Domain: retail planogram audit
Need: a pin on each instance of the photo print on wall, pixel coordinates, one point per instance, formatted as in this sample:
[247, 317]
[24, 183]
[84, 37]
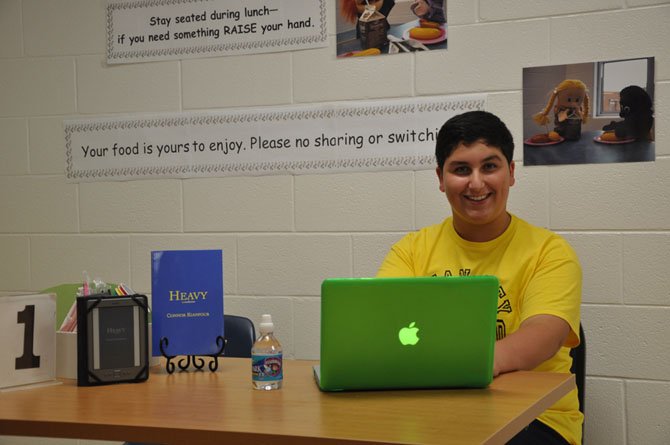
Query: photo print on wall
[589, 113]
[374, 27]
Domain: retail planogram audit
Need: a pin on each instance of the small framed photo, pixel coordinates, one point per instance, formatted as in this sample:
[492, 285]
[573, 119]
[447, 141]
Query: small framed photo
[112, 339]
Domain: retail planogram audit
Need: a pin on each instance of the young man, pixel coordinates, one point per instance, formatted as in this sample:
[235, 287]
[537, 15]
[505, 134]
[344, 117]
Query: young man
[540, 276]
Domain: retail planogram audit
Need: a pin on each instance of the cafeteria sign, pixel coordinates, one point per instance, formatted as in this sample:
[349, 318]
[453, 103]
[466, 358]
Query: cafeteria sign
[319, 138]
[145, 30]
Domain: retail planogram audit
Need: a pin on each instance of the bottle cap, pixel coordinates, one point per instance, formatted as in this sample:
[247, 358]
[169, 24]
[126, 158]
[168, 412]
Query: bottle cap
[266, 324]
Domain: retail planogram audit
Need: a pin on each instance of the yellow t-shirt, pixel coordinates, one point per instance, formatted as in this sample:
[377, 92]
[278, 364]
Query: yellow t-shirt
[538, 271]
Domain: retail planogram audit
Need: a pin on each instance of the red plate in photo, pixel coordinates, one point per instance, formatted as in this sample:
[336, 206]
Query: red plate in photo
[441, 38]
[542, 144]
[618, 141]
[353, 53]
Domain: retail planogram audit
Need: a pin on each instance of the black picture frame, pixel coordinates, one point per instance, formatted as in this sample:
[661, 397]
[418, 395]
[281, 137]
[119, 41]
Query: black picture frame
[112, 339]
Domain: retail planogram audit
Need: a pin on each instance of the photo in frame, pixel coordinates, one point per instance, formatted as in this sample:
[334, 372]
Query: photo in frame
[589, 113]
[112, 339]
[374, 27]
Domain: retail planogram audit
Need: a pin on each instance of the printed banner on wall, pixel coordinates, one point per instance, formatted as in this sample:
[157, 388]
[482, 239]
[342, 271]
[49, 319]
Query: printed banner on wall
[145, 30]
[362, 136]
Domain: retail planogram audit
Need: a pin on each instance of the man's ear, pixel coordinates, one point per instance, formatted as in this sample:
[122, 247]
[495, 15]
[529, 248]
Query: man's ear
[511, 173]
[440, 174]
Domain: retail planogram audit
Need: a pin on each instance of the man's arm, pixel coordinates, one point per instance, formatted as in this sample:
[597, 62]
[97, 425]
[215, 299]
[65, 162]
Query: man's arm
[537, 340]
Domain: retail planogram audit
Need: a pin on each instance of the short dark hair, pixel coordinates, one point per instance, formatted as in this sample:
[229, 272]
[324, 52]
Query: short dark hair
[471, 127]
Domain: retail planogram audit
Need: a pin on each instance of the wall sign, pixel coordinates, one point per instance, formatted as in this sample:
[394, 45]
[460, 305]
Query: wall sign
[27, 339]
[363, 136]
[144, 30]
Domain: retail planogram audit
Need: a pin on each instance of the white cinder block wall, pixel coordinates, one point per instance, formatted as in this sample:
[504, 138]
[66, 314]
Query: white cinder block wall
[283, 234]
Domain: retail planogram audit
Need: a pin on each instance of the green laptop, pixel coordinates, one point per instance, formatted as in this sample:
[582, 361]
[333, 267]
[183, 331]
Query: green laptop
[396, 333]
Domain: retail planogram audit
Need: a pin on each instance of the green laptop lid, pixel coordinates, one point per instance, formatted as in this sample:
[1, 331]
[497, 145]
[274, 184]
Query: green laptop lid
[421, 332]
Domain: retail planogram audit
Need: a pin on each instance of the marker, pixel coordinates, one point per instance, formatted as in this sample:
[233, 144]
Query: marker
[87, 289]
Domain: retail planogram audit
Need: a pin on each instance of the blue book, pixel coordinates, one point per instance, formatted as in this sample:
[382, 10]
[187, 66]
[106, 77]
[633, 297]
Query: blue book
[187, 301]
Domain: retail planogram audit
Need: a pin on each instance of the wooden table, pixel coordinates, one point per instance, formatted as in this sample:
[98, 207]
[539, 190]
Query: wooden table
[204, 407]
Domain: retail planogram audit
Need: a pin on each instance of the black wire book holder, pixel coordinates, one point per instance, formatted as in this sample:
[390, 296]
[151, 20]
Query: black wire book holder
[196, 360]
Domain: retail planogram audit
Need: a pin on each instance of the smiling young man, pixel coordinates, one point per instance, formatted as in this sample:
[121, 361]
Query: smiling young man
[539, 273]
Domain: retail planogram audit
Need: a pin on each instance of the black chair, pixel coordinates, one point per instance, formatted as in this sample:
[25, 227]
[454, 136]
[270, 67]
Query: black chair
[578, 367]
[240, 336]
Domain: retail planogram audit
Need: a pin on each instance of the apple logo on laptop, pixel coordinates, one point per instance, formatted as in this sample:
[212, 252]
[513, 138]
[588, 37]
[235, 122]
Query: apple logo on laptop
[408, 335]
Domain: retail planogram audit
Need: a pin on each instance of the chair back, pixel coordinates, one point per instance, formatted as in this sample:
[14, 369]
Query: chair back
[240, 336]
[578, 367]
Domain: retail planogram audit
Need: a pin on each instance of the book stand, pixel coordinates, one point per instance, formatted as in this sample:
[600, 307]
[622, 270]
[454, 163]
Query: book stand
[197, 360]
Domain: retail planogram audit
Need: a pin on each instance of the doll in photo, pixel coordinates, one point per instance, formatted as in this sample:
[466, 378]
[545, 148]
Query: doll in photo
[638, 116]
[569, 102]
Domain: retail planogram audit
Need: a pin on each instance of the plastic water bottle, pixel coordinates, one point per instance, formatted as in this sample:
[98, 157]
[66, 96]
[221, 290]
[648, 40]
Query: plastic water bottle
[267, 370]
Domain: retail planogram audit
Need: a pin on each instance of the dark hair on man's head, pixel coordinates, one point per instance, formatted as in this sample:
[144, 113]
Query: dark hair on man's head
[470, 127]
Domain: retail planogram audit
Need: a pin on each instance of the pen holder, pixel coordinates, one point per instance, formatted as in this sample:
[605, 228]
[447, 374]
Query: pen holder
[66, 355]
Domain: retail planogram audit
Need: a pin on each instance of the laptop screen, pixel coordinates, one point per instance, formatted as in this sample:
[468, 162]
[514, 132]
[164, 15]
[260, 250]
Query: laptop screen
[415, 332]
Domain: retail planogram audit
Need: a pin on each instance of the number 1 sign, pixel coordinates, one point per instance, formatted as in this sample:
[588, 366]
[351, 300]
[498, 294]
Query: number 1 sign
[27, 339]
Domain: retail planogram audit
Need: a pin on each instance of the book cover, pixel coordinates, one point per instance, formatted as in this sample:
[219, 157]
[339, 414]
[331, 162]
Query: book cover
[187, 301]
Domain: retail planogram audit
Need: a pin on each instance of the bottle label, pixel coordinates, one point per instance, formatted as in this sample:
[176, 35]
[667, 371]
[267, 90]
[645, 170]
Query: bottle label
[267, 368]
